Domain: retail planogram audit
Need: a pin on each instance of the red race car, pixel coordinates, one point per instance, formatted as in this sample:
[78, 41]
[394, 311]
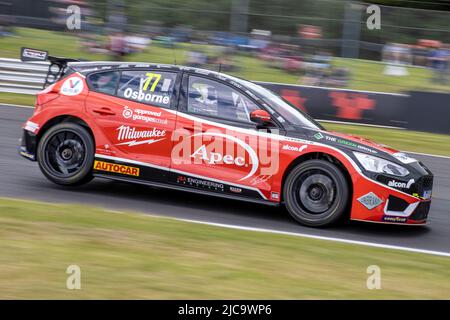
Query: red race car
[206, 132]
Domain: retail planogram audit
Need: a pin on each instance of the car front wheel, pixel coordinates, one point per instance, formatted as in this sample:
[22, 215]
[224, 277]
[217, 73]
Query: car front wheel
[316, 193]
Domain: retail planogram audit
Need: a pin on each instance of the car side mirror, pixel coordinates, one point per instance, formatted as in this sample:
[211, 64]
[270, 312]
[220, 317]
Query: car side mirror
[261, 117]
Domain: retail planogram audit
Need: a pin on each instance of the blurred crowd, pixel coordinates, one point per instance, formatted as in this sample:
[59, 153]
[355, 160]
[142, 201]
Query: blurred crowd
[425, 53]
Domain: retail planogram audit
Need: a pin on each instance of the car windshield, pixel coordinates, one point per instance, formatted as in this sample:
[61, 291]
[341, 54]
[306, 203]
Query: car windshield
[290, 113]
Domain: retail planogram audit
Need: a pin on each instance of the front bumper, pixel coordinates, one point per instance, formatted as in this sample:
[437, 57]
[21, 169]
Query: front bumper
[27, 145]
[374, 201]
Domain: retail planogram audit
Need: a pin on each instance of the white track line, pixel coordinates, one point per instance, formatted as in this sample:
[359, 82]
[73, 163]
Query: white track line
[16, 105]
[428, 155]
[305, 235]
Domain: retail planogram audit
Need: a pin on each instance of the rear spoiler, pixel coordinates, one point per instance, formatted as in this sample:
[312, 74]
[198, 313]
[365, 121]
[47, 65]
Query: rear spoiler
[57, 67]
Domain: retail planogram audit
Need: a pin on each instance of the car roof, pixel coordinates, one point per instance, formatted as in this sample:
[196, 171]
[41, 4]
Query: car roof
[85, 68]
[91, 66]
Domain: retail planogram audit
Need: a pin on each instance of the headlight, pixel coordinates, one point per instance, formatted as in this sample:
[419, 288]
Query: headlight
[375, 164]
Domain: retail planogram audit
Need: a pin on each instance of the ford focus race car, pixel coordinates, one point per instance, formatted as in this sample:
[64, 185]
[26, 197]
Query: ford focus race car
[206, 132]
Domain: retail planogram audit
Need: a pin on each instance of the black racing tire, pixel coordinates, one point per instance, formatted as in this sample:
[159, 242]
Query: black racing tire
[316, 193]
[65, 154]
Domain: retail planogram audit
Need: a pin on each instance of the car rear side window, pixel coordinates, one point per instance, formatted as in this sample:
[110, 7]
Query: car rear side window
[146, 86]
[104, 82]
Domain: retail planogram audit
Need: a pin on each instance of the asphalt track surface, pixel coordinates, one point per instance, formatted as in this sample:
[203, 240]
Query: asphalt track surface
[21, 178]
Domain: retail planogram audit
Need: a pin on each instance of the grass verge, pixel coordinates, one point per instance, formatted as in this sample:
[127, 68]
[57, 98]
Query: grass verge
[124, 255]
[16, 98]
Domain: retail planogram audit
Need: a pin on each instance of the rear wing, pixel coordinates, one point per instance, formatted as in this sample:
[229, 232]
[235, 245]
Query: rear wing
[57, 68]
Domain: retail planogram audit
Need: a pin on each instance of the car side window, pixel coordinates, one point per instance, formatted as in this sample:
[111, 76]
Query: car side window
[147, 86]
[212, 98]
[104, 82]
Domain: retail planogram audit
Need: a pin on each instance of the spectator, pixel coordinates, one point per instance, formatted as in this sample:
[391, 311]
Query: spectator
[117, 45]
[439, 62]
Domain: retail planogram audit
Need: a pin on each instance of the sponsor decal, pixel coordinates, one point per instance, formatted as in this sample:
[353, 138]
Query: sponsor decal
[427, 194]
[235, 190]
[213, 158]
[399, 184]
[127, 112]
[133, 136]
[294, 148]
[31, 126]
[259, 179]
[200, 183]
[106, 150]
[216, 157]
[147, 97]
[275, 195]
[238, 152]
[370, 200]
[394, 219]
[181, 179]
[33, 54]
[364, 148]
[143, 115]
[320, 136]
[116, 168]
[72, 86]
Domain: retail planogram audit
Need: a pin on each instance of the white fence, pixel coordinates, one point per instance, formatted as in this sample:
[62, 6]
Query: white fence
[22, 77]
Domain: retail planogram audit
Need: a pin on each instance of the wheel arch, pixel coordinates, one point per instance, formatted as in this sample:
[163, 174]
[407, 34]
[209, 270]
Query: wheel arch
[318, 156]
[62, 119]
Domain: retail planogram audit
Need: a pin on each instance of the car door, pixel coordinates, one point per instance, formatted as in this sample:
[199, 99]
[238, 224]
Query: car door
[216, 146]
[137, 116]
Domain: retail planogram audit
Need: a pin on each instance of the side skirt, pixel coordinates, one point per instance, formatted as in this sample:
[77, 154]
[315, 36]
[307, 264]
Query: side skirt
[181, 188]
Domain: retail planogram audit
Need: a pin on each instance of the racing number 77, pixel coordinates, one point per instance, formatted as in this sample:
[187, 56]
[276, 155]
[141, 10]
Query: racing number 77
[150, 76]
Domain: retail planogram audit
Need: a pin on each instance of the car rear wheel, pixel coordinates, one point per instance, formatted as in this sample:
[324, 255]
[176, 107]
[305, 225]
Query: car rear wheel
[66, 154]
[316, 193]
